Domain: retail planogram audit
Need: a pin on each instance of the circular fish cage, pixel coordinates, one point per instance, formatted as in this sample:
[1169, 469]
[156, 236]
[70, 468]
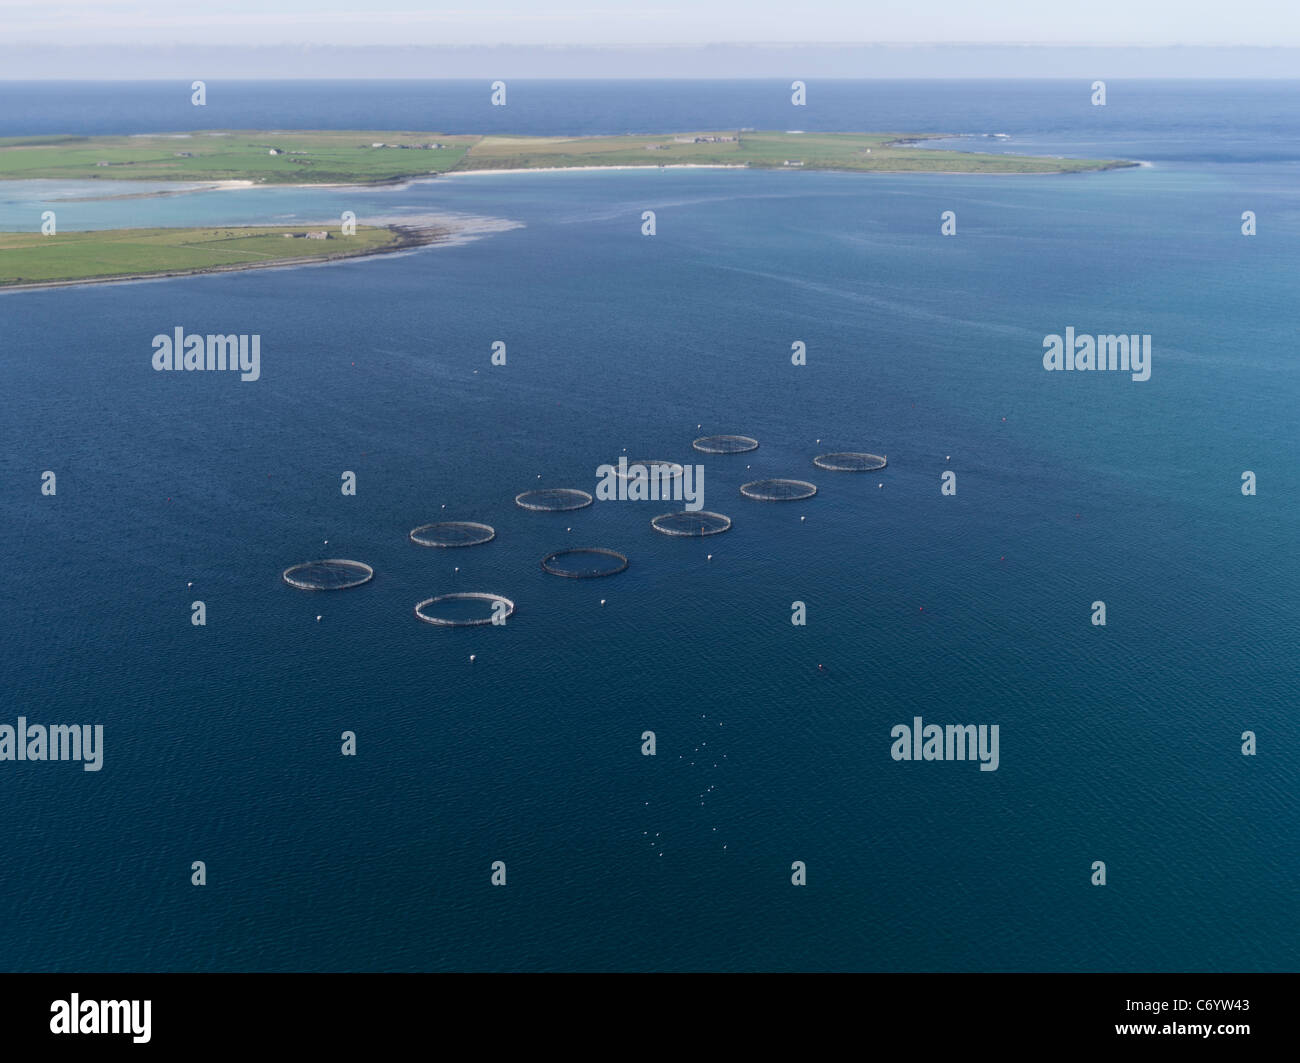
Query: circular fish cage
[331, 574]
[554, 499]
[725, 444]
[584, 562]
[850, 461]
[464, 609]
[778, 490]
[694, 524]
[452, 533]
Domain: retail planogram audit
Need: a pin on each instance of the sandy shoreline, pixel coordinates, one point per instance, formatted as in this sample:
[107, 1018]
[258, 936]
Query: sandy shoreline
[158, 193]
[641, 166]
[403, 181]
[398, 183]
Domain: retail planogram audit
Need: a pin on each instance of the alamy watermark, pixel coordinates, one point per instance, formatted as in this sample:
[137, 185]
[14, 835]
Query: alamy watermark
[242, 354]
[953, 742]
[1126, 354]
[57, 742]
[651, 482]
[102, 1016]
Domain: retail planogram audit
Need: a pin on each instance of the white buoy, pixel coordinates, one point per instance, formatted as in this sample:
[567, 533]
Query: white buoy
[457, 568]
[880, 485]
[472, 656]
[709, 558]
[190, 584]
[802, 519]
[947, 457]
[602, 601]
[318, 620]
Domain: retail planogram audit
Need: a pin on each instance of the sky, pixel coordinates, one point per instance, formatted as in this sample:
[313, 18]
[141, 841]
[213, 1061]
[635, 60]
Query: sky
[143, 39]
[589, 22]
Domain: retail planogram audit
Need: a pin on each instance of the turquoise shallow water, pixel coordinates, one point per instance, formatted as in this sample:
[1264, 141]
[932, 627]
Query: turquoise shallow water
[222, 743]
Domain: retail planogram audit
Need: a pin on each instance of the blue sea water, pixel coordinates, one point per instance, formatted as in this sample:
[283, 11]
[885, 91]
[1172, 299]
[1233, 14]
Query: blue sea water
[1119, 744]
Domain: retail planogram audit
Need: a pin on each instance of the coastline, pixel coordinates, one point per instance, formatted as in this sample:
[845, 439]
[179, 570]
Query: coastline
[398, 183]
[157, 193]
[233, 186]
[223, 186]
[1118, 164]
[643, 166]
[1122, 164]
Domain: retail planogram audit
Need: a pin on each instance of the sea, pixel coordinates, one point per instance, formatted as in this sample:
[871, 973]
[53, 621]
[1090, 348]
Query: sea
[517, 750]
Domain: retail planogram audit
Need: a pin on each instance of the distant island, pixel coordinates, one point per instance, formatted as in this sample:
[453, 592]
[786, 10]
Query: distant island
[234, 159]
[358, 157]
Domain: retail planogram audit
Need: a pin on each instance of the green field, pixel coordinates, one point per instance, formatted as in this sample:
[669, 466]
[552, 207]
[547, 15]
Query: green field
[352, 158]
[303, 158]
[880, 152]
[28, 258]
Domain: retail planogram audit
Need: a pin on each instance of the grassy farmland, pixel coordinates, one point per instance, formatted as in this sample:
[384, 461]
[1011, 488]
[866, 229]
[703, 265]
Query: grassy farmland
[302, 158]
[353, 158]
[879, 152]
[31, 258]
